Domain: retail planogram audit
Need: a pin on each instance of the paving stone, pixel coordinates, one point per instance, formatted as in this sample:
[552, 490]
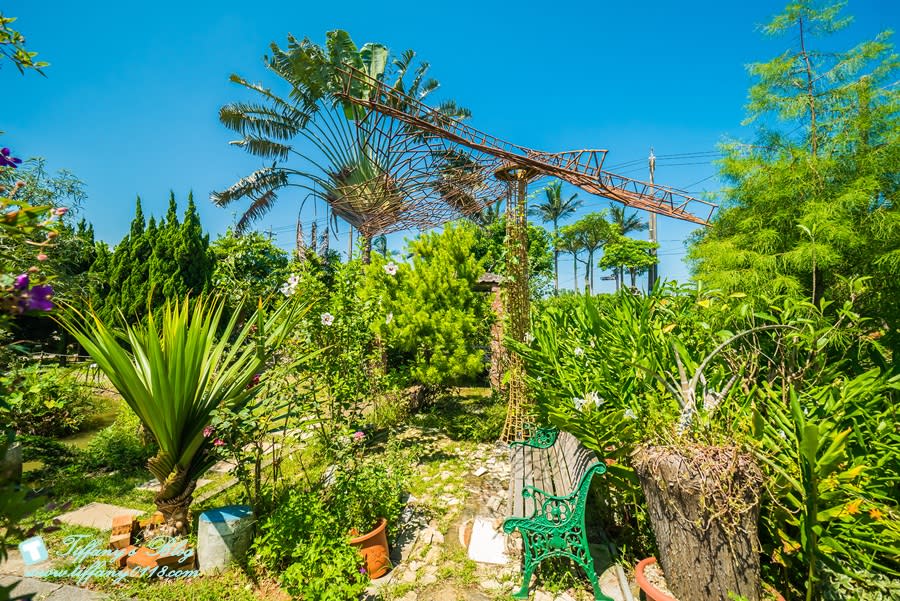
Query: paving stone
[480, 471]
[491, 585]
[97, 515]
[13, 566]
[486, 544]
[38, 590]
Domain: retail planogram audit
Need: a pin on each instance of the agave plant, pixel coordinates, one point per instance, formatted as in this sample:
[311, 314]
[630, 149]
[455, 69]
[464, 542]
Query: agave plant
[173, 370]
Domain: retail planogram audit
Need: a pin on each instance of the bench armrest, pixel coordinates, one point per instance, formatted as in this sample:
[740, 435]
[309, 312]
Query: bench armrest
[539, 438]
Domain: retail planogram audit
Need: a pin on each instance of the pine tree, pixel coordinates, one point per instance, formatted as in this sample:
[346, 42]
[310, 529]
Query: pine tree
[192, 252]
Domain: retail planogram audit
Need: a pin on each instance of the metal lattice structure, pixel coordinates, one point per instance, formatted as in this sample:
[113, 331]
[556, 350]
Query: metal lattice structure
[450, 169]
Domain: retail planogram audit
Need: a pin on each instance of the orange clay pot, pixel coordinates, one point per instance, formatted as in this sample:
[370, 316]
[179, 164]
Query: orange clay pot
[654, 594]
[373, 546]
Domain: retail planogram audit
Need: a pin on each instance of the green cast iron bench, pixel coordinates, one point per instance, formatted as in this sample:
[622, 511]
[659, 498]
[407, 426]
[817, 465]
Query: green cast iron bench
[550, 475]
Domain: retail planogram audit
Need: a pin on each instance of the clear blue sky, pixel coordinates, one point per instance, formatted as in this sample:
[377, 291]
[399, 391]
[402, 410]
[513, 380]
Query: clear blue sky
[130, 100]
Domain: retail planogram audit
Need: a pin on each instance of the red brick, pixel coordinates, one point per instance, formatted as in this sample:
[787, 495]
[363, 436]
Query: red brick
[120, 563]
[148, 559]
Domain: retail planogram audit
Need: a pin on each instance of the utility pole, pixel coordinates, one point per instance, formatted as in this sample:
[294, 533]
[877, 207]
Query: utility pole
[652, 273]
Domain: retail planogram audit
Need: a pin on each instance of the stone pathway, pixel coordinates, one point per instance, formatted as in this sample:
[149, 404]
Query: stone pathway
[33, 589]
[462, 500]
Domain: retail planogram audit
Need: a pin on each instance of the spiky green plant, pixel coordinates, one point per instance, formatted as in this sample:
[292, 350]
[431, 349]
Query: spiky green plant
[173, 370]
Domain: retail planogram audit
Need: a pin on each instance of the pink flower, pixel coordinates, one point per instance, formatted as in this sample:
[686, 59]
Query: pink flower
[42, 257]
[218, 442]
[358, 436]
[60, 211]
[208, 431]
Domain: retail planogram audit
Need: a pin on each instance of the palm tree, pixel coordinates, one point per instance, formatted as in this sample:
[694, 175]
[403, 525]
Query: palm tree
[624, 224]
[553, 209]
[358, 169]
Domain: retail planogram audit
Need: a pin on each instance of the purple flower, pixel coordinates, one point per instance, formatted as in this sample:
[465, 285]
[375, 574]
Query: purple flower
[208, 431]
[8, 161]
[38, 299]
[362, 570]
[21, 282]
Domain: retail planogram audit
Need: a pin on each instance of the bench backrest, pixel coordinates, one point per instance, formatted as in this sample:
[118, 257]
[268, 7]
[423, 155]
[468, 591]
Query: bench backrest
[569, 462]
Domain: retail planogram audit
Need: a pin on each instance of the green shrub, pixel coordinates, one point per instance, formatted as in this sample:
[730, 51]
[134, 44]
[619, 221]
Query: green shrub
[48, 450]
[305, 542]
[120, 445]
[44, 401]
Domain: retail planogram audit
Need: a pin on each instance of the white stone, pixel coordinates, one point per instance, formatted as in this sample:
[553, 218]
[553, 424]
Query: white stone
[491, 585]
[428, 579]
[487, 545]
[481, 471]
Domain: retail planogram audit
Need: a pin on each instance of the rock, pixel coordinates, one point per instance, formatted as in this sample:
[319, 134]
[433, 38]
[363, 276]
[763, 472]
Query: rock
[409, 576]
[542, 596]
[491, 585]
[480, 471]
[437, 538]
[428, 579]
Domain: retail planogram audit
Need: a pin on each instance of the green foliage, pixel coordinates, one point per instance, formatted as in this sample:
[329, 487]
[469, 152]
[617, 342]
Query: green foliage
[359, 183]
[434, 323]
[589, 234]
[553, 210]
[12, 47]
[491, 246]
[174, 372]
[120, 446]
[303, 542]
[466, 414]
[814, 200]
[44, 401]
[155, 263]
[628, 254]
[365, 490]
[248, 266]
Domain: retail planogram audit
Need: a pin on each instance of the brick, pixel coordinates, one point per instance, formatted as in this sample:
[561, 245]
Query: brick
[120, 541]
[147, 559]
[120, 563]
[122, 524]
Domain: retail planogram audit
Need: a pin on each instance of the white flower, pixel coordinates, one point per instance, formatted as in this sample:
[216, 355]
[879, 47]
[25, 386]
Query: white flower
[579, 351]
[327, 319]
[391, 268]
[630, 414]
[293, 280]
[287, 289]
[389, 318]
[529, 338]
[593, 397]
[592, 343]
[579, 403]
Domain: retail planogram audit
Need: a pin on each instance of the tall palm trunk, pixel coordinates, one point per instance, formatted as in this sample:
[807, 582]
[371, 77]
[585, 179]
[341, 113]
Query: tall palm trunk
[575, 265]
[555, 258]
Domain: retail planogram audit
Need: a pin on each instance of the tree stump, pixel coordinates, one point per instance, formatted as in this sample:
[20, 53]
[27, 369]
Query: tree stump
[703, 504]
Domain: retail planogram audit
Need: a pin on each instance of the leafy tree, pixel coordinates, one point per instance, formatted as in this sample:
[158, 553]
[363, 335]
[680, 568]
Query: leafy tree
[629, 254]
[814, 201]
[434, 323]
[553, 209]
[624, 225]
[491, 247]
[590, 233]
[247, 266]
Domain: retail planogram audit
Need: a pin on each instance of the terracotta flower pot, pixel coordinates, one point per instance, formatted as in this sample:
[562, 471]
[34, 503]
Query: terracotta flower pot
[654, 594]
[374, 548]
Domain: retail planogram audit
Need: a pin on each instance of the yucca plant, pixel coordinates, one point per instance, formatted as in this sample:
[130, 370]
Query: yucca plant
[173, 370]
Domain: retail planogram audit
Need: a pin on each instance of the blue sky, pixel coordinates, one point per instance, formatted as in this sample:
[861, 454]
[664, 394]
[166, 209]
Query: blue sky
[130, 100]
